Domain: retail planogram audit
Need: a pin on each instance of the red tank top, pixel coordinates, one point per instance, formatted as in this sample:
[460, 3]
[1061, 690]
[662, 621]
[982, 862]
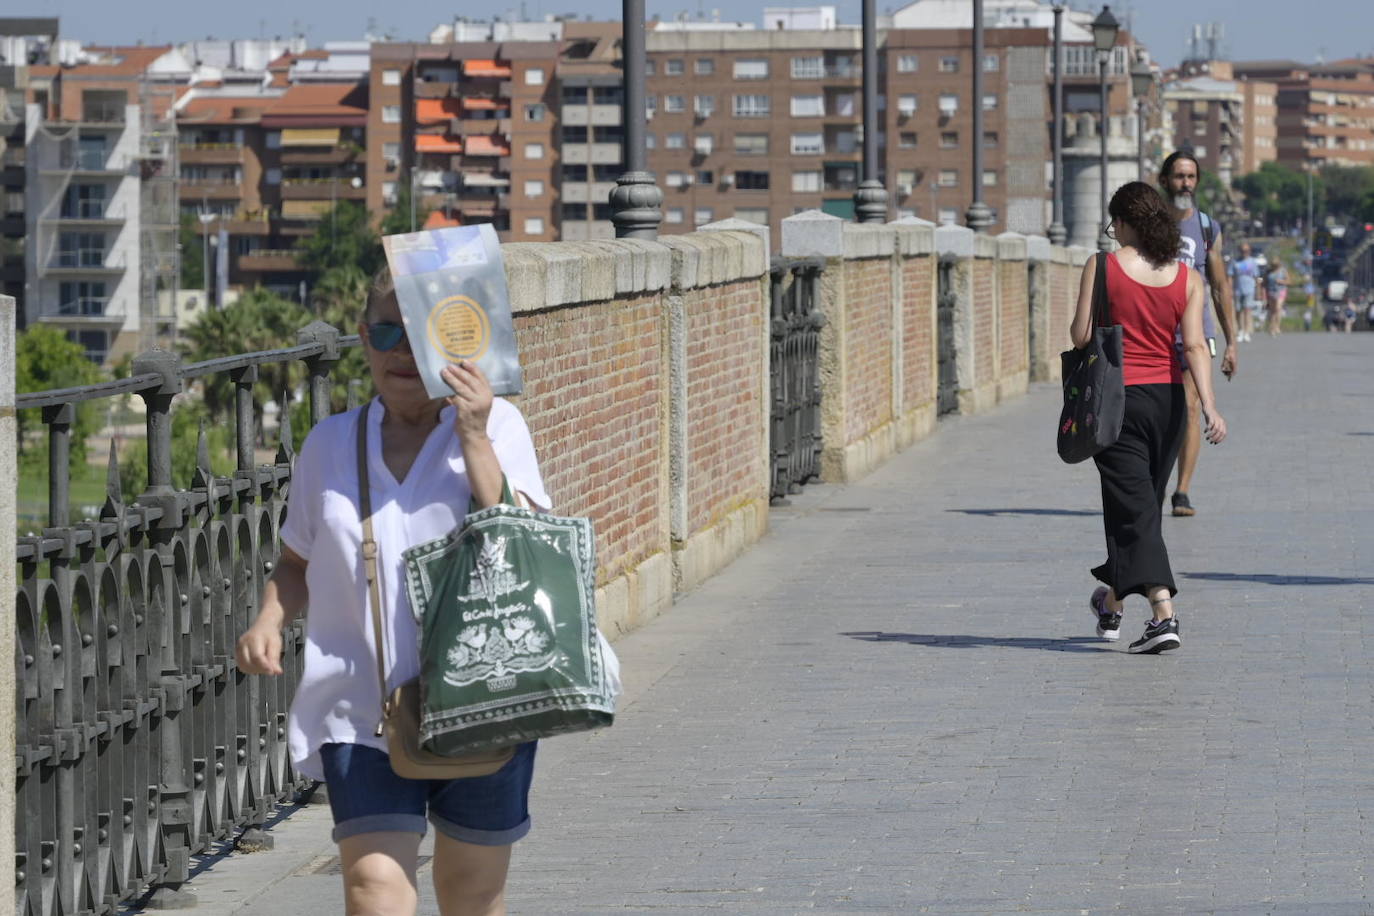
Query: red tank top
[1148, 316]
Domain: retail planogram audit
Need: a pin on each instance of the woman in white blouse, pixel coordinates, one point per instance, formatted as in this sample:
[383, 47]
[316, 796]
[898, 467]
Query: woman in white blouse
[426, 457]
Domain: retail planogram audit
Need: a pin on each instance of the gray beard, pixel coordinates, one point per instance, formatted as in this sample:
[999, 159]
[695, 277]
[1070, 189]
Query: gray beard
[1183, 201]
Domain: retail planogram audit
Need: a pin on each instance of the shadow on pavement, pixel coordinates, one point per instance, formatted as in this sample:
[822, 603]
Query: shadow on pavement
[997, 512]
[1277, 579]
[1067, 644]
[1360, 434]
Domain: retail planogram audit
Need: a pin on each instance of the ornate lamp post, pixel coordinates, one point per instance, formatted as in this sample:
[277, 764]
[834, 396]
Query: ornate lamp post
[1105, 28]
[636, 202]
[1142, 81]
[1058, 233]
[978, 216]
[870, 199]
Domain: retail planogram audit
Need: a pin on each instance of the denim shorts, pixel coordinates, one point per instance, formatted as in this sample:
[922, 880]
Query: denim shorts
[365, 795]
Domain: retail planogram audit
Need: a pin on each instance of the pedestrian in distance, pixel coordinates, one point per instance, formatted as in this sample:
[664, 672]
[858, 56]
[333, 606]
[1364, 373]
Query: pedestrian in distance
[1200, 248]
[1276, 283]
[1245, 272]
[1151, 294]
[428, 457]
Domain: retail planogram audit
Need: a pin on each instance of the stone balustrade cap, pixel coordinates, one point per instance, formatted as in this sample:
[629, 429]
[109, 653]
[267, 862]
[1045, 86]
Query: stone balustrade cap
[1037, 248]
[984, 246]
[954, 240]
[1011, 246]
[869, 240]
[813, 233]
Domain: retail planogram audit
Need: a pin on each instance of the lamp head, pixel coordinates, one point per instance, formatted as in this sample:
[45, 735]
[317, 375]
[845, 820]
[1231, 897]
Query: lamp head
[1105, 28]
[1142, 78]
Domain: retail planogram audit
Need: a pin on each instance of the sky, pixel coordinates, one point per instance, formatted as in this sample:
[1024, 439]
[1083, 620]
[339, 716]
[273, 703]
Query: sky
[1255, 29]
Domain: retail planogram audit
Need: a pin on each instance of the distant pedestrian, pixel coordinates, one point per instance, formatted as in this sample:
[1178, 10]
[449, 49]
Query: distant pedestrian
[1244, 277]
[1276, 283]
[1200, 248]
[1151, 294]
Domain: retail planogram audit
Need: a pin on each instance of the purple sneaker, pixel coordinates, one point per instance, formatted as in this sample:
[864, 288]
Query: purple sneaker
[1108, 624]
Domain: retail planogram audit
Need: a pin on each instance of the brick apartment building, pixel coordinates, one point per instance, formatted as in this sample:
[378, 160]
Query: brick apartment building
[1325, 111]
[1230, 124]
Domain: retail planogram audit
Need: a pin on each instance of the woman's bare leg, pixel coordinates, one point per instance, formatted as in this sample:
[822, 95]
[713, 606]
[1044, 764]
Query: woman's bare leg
[379, 873]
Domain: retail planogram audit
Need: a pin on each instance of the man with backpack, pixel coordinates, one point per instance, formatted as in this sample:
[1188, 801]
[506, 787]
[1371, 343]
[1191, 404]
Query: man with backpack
[1201, 250]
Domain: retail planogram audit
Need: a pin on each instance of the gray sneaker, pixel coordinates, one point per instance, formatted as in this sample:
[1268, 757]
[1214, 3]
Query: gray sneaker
[1108, 624]
[1159, 636]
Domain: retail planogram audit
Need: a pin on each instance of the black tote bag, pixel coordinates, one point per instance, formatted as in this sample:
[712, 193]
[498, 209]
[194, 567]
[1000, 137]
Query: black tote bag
[1094, 390]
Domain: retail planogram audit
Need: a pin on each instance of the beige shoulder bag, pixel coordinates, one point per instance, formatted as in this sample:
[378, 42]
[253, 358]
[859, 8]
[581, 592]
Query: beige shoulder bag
[400, 720]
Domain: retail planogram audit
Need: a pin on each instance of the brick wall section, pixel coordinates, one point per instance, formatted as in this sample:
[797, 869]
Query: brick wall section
[984, 317]
[1014, 327]
[725, 389]
[1063, 300]
[594, 377]
[918, 342]
[868, 346]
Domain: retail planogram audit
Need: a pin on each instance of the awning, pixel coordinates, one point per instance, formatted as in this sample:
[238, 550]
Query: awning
[310, 136]
[486, 146]
[485, 68]
[435, 111]
[437, 143]
[304, 209]
[478, 104]
[437, 220]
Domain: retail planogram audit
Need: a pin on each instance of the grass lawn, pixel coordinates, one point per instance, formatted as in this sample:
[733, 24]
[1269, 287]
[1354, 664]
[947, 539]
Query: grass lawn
[87, 495]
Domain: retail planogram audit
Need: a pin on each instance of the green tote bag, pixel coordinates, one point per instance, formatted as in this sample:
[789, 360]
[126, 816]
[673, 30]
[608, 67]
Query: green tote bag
[509, 648]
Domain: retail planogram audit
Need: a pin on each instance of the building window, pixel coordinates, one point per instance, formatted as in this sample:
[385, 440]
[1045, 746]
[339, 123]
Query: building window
[703, 215]
[751, 144]
[391, 155]
[990, 139]
[948, 216]
[991, 63]
[675, 141]
[752, 215]
[906, 140]
[674, 104]
[808, 106]
[846, 141]
[534, 188]
[534, 76]
[808, 68]
[989, 178]
[704, 105]
[388, 192]
[949, 139]
[751, 181]
[949, 178]
[674, 215]
[949, 104]
[706, 177]
[675, 180]
[650, 105]
[906, 63]
[534, 225]
[906, 104]
[535, 112]
[576, 133]
[391, 114]
[751, 69]
[674, 67]
[809, 144]
[534, 151]
[753, 106]
[806, 182]
[949, 65]
[844, 106]
[391, 77]
[272, 176]
[649, 67]
[989, 103]
[703, 144]
[704, 66]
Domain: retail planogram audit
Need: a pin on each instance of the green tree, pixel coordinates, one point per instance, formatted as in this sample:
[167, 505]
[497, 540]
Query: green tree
[397, 220]
[1277, 195]
[1346, 188]
[192, 253]
[344, 237]
[44, 358]
[187, 421]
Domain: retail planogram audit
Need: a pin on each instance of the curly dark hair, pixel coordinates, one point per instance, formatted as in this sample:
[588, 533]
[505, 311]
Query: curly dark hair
[1142, 208]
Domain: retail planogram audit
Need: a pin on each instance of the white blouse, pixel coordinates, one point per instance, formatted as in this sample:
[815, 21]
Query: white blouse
[337, 699]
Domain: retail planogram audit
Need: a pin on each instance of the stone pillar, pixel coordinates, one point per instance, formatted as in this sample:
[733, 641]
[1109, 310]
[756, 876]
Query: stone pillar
[1013, 316]
[955, 246]
[1082, 171]
[9, 489]
[1043, 353]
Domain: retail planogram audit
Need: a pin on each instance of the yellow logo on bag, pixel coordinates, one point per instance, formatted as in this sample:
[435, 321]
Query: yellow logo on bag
[459, 328]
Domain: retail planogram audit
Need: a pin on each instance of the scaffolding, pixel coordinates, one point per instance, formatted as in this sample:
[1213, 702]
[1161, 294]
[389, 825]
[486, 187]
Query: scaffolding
[159, 261]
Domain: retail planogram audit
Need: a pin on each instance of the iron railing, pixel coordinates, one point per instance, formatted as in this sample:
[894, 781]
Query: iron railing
[139, 742]
[794, 370]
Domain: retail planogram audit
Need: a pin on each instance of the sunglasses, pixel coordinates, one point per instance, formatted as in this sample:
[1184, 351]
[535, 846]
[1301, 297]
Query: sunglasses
[385, 335]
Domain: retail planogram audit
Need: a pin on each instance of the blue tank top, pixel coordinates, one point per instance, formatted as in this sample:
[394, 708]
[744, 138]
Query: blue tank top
[1193, 252]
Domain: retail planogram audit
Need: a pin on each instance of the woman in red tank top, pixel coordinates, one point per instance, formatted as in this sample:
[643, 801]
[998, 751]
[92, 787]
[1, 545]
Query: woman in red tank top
[1151, 294]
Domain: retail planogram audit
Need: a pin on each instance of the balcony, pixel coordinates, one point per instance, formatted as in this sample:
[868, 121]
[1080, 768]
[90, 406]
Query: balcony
[592, 154]
[434, 89]
[85, 261]
[266, 260]
[591, 115]
[86, 162]
[209, 188]
[103, 115]
[84, 307]
[93, 212]
[480, 127]
[320, 189]
[337, 155]
[210, 153]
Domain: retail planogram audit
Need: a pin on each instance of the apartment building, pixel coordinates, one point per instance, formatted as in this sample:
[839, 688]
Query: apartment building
[467, 129]
[589, 141]
[1230, 124]
[1325, 112]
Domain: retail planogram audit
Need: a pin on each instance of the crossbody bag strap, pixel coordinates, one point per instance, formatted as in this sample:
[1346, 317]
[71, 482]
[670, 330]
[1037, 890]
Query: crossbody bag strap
[370, 558]
[1102, 305]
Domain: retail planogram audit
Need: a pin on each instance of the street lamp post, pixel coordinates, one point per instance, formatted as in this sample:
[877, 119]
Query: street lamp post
[1105, 28]
[636, 201]
[1058, 233]
[870, 199]
[206, 218]
[978, 216]
[1142, 81]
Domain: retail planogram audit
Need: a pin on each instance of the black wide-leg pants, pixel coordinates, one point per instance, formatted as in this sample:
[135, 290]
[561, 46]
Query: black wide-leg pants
[1135, 478]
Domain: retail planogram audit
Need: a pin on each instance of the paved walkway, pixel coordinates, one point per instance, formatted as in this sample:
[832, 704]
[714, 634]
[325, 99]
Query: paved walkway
[895, 702]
